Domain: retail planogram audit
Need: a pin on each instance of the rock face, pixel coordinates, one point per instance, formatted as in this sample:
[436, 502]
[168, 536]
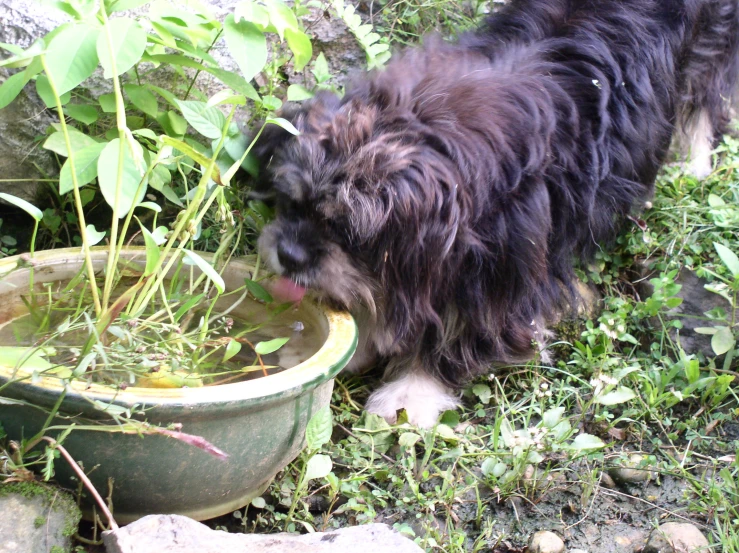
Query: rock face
[178, 534]
[677, 537]
[36, 518]
[26, 118]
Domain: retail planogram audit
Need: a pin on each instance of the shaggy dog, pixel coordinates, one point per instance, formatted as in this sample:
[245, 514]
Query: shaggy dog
[444, 199]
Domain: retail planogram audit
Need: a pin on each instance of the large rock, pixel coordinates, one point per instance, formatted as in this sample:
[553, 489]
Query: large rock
[36, 518]
[178, 534]
[677, 537]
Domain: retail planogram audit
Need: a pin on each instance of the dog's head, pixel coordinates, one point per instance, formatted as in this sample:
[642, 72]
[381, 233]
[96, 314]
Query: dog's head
[362, 195]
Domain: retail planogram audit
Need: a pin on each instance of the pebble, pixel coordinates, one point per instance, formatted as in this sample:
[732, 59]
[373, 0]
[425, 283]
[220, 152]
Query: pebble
[628, 473]
[546, 542]
[676, 537]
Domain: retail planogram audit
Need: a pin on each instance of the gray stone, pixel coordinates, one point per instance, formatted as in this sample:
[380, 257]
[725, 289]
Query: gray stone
[576, 551]
[178, 534]
[546, 542]
[676, 537]
[631, 472]
[36, 518]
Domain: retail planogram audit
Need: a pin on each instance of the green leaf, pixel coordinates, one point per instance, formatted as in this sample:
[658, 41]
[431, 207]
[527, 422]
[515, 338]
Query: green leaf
[586, 441]
[120, 5]
[552, 417]
[31, 209]
[253, 13]
[247, 46]
[258, 291]
[270, 346]
[709, 330]
[188, 306]
[483, 392]
[94, 236]
[408, 439]
[108, 174]
[151, 205]
[284, 123]
[107, 102]
[723, 340]
[320, 69]
[85, 165]
[208, 121]
[71, 56]
[79, 141]
[152, 250]
[232, 349]
[83, 113]
[207, 269]
[159, 234]
[191, 152]
[319, 429]
[622, 394]
[11, 356]
[301, 47]
[318, 467]
[298, 93]
[281, 17]
[129, 42]
[715, 201]
[43, 89]
[12, 86]
[142, 99]
[729, 258]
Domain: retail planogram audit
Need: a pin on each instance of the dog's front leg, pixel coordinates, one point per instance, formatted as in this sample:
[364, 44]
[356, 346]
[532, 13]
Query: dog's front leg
[409, 386]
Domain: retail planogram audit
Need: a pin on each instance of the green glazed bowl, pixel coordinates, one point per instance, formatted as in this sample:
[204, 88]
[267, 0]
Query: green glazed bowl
[259, 423]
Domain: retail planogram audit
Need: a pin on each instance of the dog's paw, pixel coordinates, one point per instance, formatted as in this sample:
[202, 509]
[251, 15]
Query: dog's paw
[422, 396]
[700, 166]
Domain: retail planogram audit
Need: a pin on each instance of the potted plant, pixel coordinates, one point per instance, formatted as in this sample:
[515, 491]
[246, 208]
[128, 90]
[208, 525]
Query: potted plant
[128, 356]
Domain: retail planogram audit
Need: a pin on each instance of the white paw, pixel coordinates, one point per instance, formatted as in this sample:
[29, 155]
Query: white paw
[423, 397]
[701, 166]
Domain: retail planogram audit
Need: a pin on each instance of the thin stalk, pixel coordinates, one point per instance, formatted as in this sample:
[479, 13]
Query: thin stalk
[120, 114]
[150, 288]
[75, 189]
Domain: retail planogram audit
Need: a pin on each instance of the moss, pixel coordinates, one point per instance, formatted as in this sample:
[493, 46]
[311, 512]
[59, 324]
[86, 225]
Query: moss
[39, 522]
[55, 497]
[56, 549]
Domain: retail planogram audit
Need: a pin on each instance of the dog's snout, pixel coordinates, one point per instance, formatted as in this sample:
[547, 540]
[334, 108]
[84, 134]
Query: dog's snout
[291, 255]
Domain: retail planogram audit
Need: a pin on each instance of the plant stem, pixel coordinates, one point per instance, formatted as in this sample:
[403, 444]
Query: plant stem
[120, 114]
[150, 287]
[75, 189]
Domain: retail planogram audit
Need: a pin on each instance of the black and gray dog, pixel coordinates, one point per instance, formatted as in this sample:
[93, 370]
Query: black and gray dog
[444, 199]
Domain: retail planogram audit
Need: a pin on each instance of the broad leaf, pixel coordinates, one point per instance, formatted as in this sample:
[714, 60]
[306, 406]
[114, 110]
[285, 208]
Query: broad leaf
[318, 431]
[108, 174]
[232, 349]
[298, 93]
[85, 165]
[284, 123]
[586, 441]
[318, 467]
[247, 46]
[301, 47]
[208, 121]
[128, 41]
[152, 250]
[620, 395]
[82, 112]
[142, 99]
[77, 140]
[723, 340]
[94, 236]
[729, 258]
[71, 56]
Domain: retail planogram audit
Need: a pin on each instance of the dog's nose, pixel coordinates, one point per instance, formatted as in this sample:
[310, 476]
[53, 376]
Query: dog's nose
[292, 256]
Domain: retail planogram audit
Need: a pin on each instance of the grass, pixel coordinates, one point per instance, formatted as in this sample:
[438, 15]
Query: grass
[529, 448]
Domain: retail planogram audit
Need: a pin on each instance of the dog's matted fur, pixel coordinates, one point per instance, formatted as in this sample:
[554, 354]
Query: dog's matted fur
[444, 199]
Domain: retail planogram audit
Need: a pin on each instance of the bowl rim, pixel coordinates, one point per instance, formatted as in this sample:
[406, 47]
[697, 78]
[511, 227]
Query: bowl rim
[332, 356]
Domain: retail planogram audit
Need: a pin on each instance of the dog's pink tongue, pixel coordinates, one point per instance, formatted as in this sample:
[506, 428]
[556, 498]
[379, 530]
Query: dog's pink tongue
[285, 289]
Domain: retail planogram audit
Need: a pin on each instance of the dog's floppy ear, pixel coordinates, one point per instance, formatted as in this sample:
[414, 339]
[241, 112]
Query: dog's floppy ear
[305, 117]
